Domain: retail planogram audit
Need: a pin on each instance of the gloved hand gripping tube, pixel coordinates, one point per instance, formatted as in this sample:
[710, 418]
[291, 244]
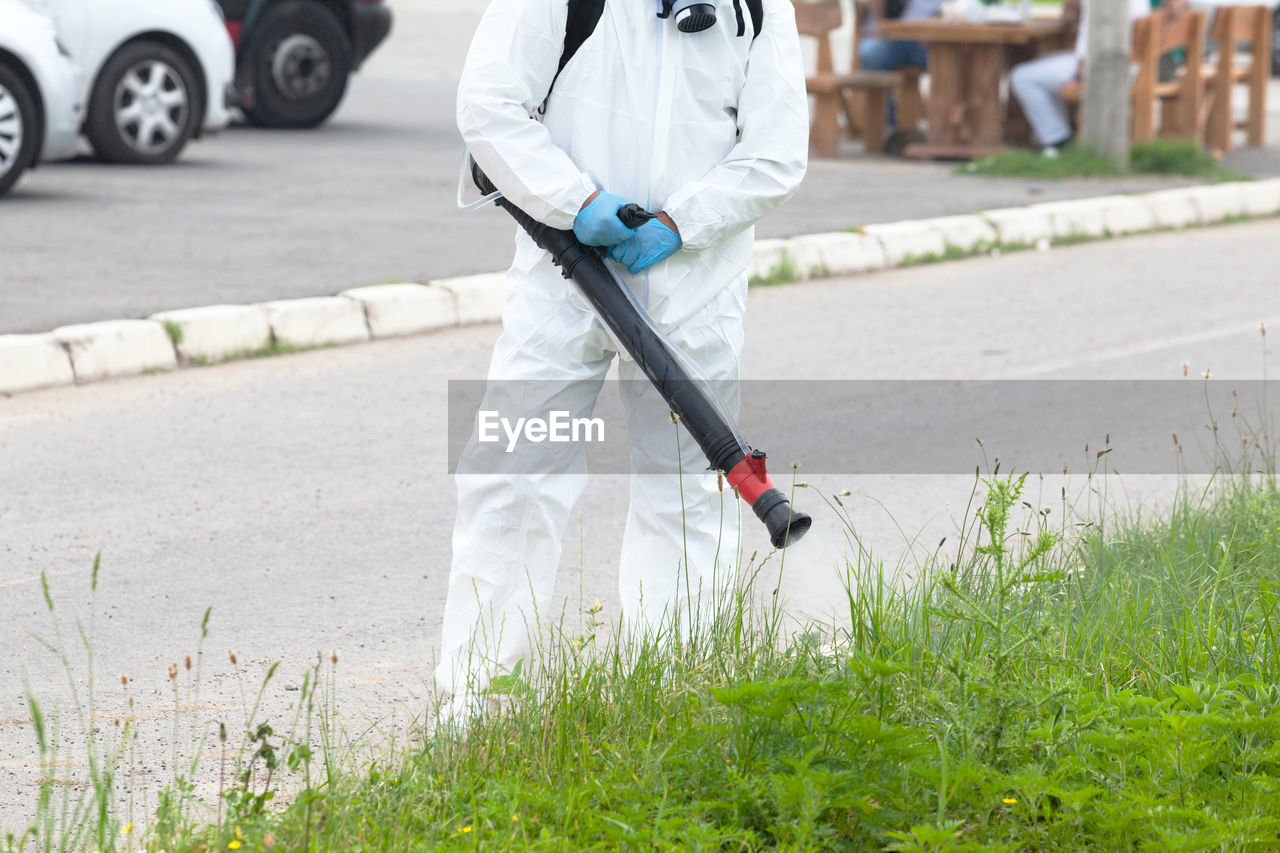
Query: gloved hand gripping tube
[692, 400]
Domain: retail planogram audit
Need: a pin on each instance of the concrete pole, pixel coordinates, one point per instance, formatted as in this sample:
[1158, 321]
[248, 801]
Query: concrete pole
[1105, 110]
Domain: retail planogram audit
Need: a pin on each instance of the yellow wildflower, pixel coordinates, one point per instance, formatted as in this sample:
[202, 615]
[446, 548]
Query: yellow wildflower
[126, 829]
[1009, 801]
[233, 844]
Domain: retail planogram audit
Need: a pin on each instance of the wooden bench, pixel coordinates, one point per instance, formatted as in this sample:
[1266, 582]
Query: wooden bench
[1180, 99]
[835, 92]
[1232, 25]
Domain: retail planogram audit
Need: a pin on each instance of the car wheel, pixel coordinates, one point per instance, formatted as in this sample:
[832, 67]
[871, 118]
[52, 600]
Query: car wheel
[295, 66]
[142, 109]
[18, 128]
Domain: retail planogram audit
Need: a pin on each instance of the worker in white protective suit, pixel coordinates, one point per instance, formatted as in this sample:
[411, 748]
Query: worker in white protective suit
[711, 129]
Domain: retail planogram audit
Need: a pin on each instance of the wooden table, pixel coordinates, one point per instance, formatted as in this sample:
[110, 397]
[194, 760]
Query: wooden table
[966, 64]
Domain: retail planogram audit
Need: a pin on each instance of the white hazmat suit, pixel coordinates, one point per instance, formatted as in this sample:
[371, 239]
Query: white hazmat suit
[710, 127]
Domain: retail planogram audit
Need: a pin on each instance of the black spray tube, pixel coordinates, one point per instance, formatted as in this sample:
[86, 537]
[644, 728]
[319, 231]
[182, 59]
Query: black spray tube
[743, 467]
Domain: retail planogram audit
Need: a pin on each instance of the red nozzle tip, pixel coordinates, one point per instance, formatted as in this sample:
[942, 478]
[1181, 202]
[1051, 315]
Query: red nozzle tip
[750, 478]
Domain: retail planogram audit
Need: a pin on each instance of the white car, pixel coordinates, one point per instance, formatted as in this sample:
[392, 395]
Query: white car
[39, 93]
[157, 72]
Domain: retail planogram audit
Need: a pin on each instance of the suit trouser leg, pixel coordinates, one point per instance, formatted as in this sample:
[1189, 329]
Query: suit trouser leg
[680, 549]
[551, 355]
[1036, 85]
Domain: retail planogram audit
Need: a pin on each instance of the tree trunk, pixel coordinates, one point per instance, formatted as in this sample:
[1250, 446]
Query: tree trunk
[1105, 107]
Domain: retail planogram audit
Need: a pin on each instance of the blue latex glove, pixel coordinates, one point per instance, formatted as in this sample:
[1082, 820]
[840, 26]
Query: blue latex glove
[651, 243]
[598, 224]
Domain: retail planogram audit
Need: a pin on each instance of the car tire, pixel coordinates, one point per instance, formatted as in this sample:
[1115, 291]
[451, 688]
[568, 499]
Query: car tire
[144, 105]
[295, 66]
[19, 128]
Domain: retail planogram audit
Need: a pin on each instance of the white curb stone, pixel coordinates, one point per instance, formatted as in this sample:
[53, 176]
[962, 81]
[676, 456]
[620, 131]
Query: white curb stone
[838, 253]
[405, 309]
[1076, 218]
[218, 332]
[317, 321]
[904, 240]
[806, 258]
[33, 361]
[769, 254]
[1261, 198]
[117, 348]
[1125, 214]
[88, 352]
[1022, 225]
[1218, 202]
[1175, 208]
[964, 231]
[480, 298]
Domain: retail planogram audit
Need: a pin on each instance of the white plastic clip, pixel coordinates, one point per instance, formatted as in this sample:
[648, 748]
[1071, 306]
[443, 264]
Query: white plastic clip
[464, 175]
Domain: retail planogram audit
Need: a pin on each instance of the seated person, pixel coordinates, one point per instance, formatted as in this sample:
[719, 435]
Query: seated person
[880, 54]
[1173, 60]
[1038, 84]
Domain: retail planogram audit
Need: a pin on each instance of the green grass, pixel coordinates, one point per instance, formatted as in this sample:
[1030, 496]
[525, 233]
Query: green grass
[1054, 681]
[270, 348]
[1183, 158]
[1072, 161]
[783, 271]
[1156, 157]
[274, 346]
[174, 330]
[952, 252]
[1075, 238]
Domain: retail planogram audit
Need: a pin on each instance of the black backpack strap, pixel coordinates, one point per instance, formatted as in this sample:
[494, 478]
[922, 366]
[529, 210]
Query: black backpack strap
[581, 23]
[756, 8]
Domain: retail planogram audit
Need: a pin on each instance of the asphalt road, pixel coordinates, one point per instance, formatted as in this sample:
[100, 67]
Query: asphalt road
[250, 215]
[304, 497]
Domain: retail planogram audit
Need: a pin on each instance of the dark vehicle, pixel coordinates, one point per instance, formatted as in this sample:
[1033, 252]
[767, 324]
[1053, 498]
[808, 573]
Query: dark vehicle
[293, 57]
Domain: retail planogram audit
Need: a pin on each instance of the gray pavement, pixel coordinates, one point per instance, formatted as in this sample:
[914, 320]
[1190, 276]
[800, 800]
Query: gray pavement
[251, 215]
[305, 497]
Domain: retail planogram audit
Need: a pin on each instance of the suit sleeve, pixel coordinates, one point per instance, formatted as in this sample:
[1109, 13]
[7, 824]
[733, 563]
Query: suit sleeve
[766, 165]
[508, 72]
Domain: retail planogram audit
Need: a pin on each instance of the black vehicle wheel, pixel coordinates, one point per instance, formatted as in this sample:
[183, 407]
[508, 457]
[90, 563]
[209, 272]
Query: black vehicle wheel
[143, 106]
[19, 129]
[295, 66]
